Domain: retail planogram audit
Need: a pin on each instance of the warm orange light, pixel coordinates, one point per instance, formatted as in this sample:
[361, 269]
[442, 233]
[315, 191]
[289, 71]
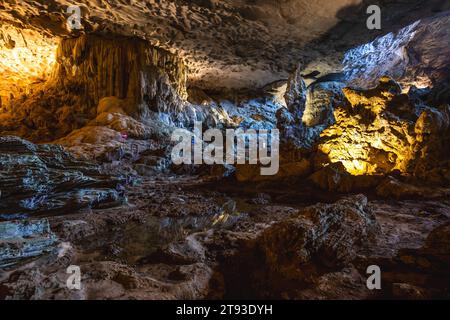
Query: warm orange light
[26, 57]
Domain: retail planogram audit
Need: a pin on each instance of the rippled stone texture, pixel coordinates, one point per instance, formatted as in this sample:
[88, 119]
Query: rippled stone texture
[45, 178]
[231, 43]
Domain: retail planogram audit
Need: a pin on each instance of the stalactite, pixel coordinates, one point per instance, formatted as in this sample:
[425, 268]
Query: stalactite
[105, 67]
[92, 67]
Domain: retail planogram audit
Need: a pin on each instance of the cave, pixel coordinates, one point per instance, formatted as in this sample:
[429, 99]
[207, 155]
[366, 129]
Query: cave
[224, 150]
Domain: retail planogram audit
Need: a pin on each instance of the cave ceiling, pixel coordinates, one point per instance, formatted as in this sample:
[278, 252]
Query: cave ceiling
[229, 43]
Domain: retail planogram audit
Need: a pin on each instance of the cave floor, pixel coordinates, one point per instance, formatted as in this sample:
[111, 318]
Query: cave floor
[123, 251]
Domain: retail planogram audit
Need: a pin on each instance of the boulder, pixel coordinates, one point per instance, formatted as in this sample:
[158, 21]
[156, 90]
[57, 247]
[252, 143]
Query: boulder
[334, 177]
[111, 105]
[93, 142]
[122, 124]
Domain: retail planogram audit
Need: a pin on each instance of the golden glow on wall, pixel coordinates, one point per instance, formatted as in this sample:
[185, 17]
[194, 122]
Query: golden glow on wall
[26, 57]
[368, 138]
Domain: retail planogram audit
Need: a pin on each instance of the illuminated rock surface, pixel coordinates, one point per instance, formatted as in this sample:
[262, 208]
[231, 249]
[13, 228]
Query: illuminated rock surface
[415, 55]
[231, 43]
[364, 173]
[44, 178]
[381, 130]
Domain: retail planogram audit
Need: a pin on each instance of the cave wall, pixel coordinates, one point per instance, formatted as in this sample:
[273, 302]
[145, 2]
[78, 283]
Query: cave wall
[26, 59]
[91, 67]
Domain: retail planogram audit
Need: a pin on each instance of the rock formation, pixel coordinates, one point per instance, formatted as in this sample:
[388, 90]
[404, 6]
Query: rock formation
[413, 56]
[45, 178]
[381, 130]
[22, 240]
[86, 171]
[230, 43]
[147, 79]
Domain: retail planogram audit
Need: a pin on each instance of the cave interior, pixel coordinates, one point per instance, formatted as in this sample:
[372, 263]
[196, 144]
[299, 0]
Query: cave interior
[356, 170]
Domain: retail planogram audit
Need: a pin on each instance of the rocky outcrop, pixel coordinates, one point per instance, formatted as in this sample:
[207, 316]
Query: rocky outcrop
[414, 56]
[113, 134]
[309, 110]
[381, 130]
[289, 119]
[45, 178]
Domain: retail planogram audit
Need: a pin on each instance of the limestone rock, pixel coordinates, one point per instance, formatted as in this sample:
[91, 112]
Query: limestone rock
[38, 178]
[123, 124]
[415, 55]
[20, 240]
[332, 230]
[111, 105]
[380, 130]
[392, 188]
[100, 58]
[283, 256]
[438, 244]
[309, 110]
[93, 142]
[334, 177]
[321, 100]
[89, 78]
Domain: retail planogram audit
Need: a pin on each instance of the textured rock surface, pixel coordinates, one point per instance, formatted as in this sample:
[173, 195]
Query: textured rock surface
[20, 240]
[26, 57]
[142, 228]
[415, 55]
[100, 71]
[147, 80]
[175, 244]
[309, 110]
[381, 130]
[45, 178]
[232, 42]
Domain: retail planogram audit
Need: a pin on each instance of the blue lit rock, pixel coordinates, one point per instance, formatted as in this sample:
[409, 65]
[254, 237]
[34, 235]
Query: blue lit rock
[20, 240]
[45, 178]
[415, 55]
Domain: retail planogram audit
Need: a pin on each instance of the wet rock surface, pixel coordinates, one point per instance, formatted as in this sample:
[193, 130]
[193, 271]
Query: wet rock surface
[223, 248]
